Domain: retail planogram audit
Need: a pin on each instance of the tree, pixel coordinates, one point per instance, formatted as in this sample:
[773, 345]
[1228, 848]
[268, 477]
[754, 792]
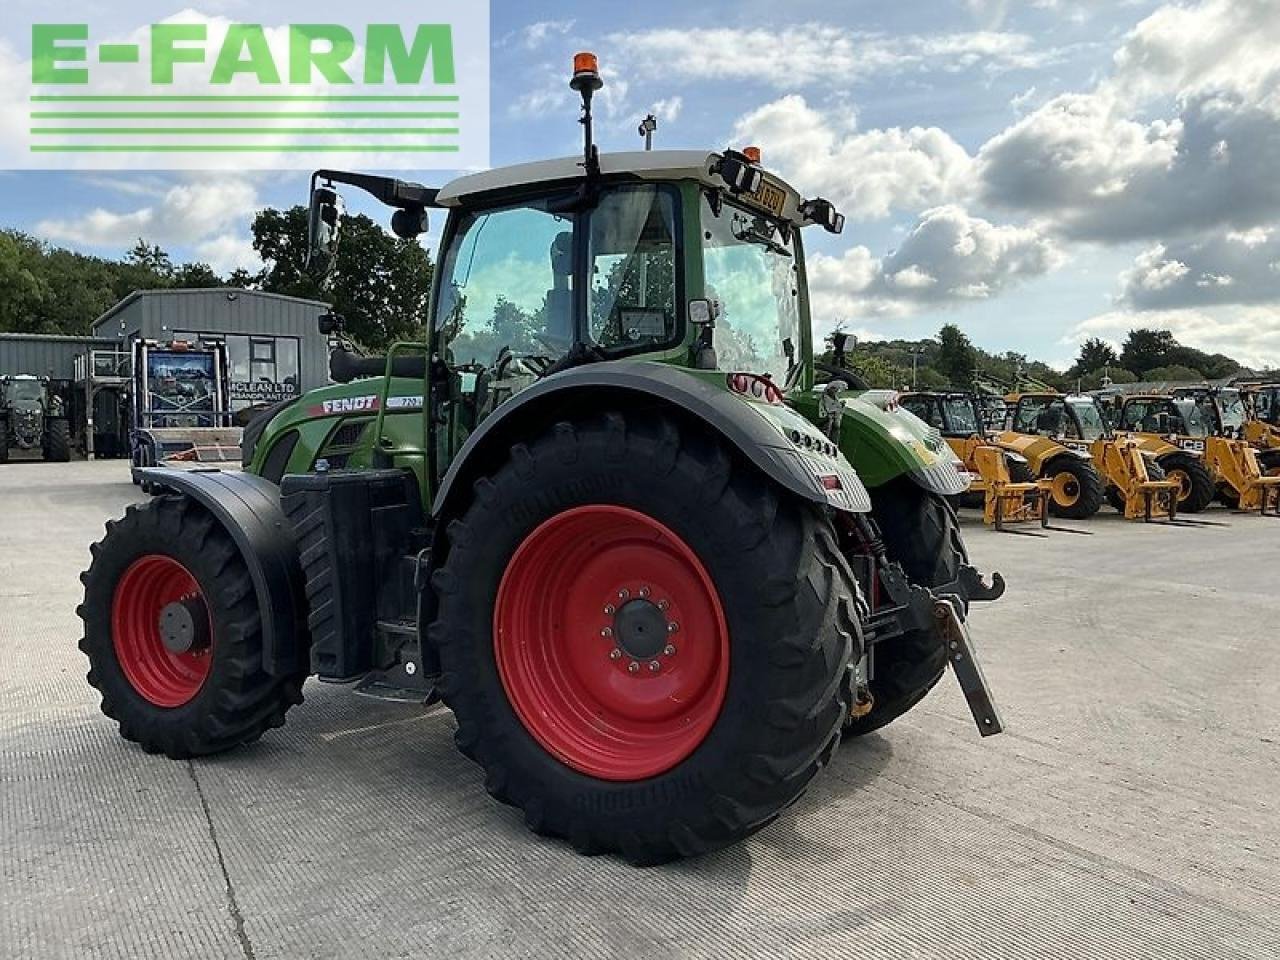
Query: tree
[21, 292]
[194, 276]
[1145, 349]
[1096, 353]
[1175, 373]
[380, 284]
[1093, 380]
[957, 360]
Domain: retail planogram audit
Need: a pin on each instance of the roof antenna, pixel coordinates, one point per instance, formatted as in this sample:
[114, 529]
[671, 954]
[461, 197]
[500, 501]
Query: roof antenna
[647, 126]
[586, 80]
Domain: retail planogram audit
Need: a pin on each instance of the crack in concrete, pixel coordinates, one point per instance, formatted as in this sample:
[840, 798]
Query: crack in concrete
[233, 905]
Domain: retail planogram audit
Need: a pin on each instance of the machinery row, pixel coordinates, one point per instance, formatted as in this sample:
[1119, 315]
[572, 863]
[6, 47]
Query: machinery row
[1034, 453]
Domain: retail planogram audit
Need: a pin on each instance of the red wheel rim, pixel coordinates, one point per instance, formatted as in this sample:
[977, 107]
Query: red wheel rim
[162, 677]
[569, 636]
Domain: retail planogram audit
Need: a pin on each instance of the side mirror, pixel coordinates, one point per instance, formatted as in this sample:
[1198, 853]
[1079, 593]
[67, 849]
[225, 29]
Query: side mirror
[823, 213]
[324, 226]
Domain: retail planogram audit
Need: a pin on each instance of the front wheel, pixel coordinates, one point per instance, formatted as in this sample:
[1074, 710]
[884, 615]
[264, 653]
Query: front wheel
[173, 636]
[921, 533]
[1196, 487]
[1077, 492]
[645, 645]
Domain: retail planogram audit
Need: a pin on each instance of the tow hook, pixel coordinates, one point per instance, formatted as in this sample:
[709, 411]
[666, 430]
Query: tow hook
[960, 654]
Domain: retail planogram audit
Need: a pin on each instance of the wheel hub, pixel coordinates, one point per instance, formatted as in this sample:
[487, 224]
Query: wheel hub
[641, 629]
[184, 625]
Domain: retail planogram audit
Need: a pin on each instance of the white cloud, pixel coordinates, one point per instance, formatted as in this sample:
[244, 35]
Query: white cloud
[948, 257]
[536, 34]
[228, 252]
[187, 214]
[1232, 267]
[811, 54]
[867, 175]
[1250, 335]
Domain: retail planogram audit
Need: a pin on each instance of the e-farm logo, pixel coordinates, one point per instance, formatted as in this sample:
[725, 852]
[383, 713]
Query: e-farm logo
[195, 91]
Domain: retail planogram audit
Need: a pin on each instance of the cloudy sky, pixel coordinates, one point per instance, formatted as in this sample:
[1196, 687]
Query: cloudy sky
[1036, 172]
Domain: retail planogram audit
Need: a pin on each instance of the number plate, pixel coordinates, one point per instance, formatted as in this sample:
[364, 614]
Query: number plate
[769, 198]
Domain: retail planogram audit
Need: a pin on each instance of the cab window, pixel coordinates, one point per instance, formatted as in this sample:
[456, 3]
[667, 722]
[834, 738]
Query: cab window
[631, 252]
[926, 408]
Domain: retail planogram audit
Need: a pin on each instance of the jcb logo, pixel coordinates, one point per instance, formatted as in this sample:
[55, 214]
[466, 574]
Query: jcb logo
[1196, 445]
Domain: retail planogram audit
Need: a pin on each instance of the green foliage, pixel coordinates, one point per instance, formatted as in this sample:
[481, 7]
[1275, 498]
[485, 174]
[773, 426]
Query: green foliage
[1093, 379]
[957, 360]
[1096, 354]
[1174, 373]
[380, 284]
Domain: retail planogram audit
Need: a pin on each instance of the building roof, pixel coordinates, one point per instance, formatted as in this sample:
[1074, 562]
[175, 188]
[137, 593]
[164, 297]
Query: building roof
[54, 338]
[186, 291]
[644, 164]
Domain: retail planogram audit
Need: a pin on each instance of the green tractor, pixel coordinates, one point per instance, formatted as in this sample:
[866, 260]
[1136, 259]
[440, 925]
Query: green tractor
[32, 415]
[607, 513]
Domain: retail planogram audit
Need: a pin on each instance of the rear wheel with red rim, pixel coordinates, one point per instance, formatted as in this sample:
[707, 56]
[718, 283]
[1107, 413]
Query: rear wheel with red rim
[644, 643]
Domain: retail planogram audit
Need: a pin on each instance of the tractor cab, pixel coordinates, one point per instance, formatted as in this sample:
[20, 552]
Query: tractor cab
[954, 414]
[1074, 420]
[1221, 408]
[1184, 420]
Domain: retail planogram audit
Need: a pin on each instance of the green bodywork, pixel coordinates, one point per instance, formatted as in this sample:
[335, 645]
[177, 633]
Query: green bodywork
[880, 440]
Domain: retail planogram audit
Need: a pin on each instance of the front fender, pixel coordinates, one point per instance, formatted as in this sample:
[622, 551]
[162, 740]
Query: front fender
[784, 445]
[248, 508]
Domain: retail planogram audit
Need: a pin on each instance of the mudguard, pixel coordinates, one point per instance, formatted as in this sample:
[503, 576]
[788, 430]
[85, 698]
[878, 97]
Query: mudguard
[248, 507]
[785, 446]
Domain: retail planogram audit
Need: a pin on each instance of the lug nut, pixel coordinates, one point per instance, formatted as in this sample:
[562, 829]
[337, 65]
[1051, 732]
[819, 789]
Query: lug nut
[644, 592]
[607, 632]
[633, 667]
[623, 594]
[673, 627]
[610, 609]
[654, 666]
[615, 654]
[669, 650]
[663, 604]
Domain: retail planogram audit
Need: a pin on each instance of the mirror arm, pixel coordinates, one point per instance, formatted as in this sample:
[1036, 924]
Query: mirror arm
[387, 190]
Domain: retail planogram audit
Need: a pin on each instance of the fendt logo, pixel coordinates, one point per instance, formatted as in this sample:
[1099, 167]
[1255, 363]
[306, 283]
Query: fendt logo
[186, 90]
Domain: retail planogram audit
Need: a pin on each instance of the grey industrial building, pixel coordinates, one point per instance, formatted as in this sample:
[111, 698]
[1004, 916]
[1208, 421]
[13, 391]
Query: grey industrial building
[274, 351]
[274, 348]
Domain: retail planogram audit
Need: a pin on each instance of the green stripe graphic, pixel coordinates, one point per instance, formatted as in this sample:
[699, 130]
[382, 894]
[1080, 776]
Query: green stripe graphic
[236, 98]
[240, 148]
[232, 115]
[240, 131]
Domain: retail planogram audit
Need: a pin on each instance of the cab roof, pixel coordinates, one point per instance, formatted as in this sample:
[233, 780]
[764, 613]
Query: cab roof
[641, 164]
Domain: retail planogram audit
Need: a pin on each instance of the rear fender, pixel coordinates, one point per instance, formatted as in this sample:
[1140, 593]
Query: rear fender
[780, 442]
[248, 508]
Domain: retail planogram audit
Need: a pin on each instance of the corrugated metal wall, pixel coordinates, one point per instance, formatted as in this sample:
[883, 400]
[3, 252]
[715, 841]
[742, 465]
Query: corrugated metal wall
[157, 314]
[42, 356]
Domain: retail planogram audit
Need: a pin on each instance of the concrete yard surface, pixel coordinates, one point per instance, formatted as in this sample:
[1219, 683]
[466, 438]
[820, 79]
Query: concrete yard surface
[1131, 810]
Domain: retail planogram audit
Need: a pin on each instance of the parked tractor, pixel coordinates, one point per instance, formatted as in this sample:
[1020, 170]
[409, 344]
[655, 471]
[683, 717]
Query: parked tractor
[654, 564]
[1000, 482]
[31, 416]
[1135, 484]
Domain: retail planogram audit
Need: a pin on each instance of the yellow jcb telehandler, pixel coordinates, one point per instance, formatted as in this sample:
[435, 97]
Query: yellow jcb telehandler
[1136, 485]
[1000, 483]
[1194, 420]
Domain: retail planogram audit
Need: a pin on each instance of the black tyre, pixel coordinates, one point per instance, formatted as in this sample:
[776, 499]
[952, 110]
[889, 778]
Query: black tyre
[921, 533]
[4, 439]
[614, 559]
[1077, 492]
[1196, 488]
[1020, 471]
[1269, 461]
[57, 441]
[173, 637]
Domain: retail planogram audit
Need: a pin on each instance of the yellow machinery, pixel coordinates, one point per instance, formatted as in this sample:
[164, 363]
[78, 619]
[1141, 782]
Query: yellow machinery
[1000, 482]
[1261, 404]
[1135, 483]
[1196, 420]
